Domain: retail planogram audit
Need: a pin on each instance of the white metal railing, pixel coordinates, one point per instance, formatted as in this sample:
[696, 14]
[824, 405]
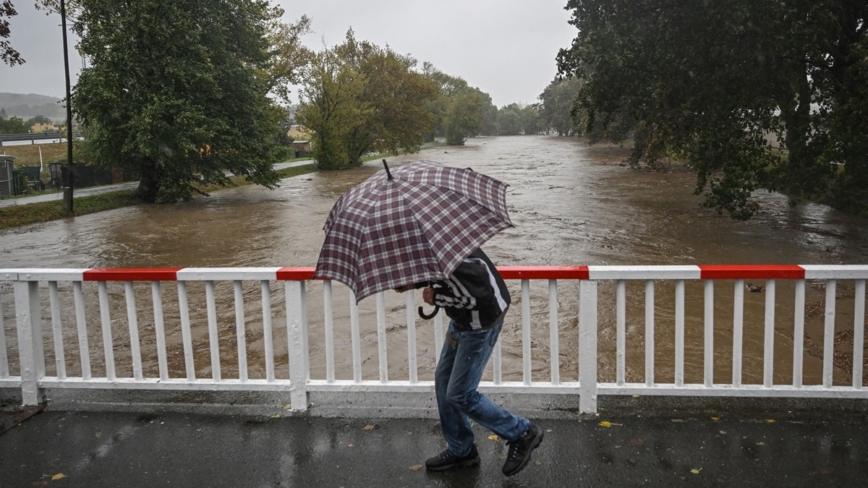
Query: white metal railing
[82, 309]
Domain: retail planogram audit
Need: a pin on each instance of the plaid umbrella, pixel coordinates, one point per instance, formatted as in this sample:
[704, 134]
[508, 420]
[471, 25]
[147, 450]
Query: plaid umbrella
[413, 224]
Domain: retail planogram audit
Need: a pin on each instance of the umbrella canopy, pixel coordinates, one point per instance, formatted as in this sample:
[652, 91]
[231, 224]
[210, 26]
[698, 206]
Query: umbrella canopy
[409, 225]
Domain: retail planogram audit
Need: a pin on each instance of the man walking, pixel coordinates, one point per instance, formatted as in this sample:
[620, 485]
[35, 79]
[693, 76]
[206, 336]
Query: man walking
[475, 297]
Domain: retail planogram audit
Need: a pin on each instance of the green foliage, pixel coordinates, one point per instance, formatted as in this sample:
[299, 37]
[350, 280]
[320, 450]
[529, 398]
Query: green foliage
[719, 83]
[515, 119]
[39, 119]
[288, 55]
[12, 125]
[177, 91]
[459, 111]
[463, 116]
[556, 108]
[18, 215]
[358, 97]
[7, 54]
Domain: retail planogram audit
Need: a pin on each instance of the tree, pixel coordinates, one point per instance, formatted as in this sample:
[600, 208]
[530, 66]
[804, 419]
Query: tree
[288, 55]
[509, 120]
[7, 54]
[177, 91]
[460, 111]
[531, 121]
[463, 116]
[38, 119]
[717, 83]
[12, 125]
[515, 119]
[358, 97]
[557, 106]
[330, 107]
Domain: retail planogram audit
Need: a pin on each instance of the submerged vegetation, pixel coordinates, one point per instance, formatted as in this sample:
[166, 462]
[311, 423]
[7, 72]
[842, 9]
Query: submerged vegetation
[33, 213]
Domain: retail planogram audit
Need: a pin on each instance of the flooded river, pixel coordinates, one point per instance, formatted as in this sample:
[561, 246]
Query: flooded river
[571, 204]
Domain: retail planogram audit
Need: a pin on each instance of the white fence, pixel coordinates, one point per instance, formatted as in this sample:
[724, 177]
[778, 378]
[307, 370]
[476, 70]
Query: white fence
[616, 347]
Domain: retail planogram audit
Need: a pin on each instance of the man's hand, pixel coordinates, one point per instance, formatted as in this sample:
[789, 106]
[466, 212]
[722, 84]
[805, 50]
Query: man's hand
[428, 296]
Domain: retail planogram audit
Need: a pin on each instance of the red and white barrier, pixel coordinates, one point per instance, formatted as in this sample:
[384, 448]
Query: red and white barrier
[689, 272]
[30, 376]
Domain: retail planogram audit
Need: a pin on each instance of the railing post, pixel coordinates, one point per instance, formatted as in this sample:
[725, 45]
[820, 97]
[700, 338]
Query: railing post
[588, 346]
[29, 325]
[296, 333]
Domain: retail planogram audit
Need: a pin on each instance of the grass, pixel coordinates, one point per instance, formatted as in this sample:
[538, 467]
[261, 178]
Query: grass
[46, 211]
[33, 213]
[241, 181]
[28, 154]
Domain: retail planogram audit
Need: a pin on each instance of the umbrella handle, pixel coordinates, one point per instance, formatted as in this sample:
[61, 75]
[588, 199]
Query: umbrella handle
[426, 316]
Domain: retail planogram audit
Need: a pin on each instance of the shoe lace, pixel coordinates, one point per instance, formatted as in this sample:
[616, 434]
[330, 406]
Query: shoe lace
[516, 449]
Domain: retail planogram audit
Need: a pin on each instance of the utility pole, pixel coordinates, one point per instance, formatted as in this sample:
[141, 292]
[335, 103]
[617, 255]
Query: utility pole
[70, 174]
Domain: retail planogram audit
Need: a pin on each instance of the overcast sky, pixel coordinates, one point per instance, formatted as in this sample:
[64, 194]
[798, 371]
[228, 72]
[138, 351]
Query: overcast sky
[506, 48]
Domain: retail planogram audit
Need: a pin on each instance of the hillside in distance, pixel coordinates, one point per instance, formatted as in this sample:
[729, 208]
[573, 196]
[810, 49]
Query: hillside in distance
[31, 104]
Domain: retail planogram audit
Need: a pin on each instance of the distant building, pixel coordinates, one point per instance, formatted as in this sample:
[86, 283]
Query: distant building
[302, 148]
[37, 128]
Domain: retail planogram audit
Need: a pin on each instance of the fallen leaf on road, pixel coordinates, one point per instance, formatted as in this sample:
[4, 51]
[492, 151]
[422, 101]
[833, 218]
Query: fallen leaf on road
[369, 427]
[351, 445]
[58, 476]
[638, 442]
[415, 467]
[493, 437]
[760, 443]
[825, 470]
[715, 418]
[695, 471]
[770, 421]
[608, 424]
[275, 416]
[288, 406]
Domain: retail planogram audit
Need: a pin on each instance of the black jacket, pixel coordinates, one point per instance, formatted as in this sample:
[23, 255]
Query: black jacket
[475, 296]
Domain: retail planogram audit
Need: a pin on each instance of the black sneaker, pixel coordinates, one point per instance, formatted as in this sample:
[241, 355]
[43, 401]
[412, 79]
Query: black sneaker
[446, 460]
[521, 449]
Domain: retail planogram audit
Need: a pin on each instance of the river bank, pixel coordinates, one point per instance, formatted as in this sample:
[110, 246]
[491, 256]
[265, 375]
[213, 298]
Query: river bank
[32, 213]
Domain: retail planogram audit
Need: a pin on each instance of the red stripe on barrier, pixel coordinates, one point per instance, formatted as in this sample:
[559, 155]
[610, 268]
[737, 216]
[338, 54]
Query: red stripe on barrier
[544, 272]
[295, 274]
[751, 271]
[131, 274]
[508, 273]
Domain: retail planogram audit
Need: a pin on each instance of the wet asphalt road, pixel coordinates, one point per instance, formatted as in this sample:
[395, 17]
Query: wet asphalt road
[143, 450]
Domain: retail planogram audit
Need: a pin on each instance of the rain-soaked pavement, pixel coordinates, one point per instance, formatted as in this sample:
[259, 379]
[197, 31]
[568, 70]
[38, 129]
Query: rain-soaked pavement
[90, 449]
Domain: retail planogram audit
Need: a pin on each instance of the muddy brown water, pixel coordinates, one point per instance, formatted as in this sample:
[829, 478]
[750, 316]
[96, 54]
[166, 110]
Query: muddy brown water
[571, 204]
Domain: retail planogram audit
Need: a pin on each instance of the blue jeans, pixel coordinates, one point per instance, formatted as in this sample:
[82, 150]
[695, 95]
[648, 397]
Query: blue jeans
[457, 376]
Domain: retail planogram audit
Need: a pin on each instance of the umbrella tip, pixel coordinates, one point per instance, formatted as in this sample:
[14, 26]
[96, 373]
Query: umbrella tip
[387, 170]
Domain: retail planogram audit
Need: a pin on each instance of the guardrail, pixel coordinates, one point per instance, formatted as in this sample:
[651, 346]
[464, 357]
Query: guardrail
[181, 333]
[35, 136]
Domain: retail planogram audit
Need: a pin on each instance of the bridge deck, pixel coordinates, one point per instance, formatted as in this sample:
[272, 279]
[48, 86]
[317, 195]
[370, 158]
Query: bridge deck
[177, 449]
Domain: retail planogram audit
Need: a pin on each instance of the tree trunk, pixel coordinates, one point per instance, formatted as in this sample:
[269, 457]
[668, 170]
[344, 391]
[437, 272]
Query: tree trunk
[149, 184]
[799, 179]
